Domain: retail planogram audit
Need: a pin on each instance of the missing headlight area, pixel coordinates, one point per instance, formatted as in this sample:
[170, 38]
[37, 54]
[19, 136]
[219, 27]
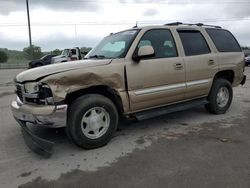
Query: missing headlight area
[34, 93]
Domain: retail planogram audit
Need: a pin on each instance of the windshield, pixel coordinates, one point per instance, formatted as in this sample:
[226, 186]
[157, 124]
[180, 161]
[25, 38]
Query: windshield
[44, 57]
[65, 52]
[114, 46]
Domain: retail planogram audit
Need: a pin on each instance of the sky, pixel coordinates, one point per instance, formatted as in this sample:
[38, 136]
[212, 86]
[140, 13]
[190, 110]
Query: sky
[69, 23]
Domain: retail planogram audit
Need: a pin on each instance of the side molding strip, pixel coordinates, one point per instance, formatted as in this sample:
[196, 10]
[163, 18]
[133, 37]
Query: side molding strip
[168, 87]
[198, 82]
[158, 89]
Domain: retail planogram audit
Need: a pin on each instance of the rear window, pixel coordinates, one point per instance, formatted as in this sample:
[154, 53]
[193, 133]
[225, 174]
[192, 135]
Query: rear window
[224, 40]
[193, 42]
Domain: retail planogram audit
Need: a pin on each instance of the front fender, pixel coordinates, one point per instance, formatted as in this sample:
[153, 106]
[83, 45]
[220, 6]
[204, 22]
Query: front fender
[65, 83]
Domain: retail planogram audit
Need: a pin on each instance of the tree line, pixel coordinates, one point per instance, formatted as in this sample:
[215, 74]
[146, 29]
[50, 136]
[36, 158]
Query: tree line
[29, 53]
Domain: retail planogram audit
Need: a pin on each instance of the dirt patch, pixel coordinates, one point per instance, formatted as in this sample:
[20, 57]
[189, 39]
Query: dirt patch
[184, 124]
[6, 84]
[247, 101]
[141, 140]
[25, 174]
[6, 93]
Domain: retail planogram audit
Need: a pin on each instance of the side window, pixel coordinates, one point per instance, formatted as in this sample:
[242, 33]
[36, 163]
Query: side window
[223, 40]
[144, 43]
[193, 42]
[161, 40]
[73, 51]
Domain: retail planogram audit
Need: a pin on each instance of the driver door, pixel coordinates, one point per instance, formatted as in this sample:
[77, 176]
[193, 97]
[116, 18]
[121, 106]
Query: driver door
[158, 80]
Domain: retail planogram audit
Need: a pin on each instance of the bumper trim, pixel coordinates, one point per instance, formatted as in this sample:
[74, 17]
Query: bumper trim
[36, 144]
[47, 116]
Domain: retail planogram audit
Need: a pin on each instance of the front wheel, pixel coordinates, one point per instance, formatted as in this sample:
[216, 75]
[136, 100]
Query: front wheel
[92, 121]
[220, 97]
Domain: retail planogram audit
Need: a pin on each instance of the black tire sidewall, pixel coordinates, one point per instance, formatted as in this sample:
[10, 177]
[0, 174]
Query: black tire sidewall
[79, 108]
[212, 98]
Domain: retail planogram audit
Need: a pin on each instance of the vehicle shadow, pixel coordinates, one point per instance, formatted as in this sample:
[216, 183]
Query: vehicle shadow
[125, 128]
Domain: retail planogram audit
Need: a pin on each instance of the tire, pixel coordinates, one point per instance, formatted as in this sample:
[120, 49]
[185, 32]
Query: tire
[220, 97]
[92, 121]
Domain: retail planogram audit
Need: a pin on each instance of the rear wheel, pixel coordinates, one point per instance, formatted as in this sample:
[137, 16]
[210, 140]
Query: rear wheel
[220, 97]
[92, 121]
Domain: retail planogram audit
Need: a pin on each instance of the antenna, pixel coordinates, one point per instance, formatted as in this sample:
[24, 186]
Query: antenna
[135, 25]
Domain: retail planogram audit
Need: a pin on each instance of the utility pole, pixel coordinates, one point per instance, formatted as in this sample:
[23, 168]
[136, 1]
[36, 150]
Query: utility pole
[30, 40]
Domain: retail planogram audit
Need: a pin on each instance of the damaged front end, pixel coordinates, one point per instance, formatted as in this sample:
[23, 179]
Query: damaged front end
[38, 145]
[34, 104]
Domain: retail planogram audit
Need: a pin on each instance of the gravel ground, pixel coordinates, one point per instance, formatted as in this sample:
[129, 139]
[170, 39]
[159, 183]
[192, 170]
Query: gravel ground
[185, 149]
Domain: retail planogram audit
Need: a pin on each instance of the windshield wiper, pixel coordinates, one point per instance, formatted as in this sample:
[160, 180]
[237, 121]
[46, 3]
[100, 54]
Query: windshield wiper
[97, 56]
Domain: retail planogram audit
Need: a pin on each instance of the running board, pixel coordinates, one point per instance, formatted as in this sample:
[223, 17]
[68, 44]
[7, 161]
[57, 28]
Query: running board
[169, 109]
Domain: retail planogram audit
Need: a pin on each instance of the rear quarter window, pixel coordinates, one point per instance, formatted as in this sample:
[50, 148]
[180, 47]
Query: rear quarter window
[223, 40]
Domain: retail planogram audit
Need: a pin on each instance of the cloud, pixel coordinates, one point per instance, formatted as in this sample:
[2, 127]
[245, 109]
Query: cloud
[150, 12]
[95, 19]
[55, 41]
[6, 7]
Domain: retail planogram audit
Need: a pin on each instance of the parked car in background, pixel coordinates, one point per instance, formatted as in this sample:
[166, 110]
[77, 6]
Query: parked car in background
[247, 60]
[70, 54]
[45, 60]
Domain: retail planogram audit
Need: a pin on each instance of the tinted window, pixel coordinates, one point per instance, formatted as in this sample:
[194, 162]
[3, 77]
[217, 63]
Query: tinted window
[193, 43]
[223, 40]
[162, 42]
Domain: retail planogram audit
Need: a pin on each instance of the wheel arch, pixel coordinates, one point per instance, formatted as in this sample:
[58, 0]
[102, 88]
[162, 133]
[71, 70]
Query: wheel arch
[225, 74]
[106, 91]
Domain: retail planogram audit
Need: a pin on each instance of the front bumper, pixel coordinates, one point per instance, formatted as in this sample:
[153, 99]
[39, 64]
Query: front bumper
[48, 116]
[52, 116]
[38, 145]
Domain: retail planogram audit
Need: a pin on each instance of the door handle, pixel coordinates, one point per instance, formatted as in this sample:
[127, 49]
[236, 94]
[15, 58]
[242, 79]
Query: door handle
[211, 62]
[178, 66]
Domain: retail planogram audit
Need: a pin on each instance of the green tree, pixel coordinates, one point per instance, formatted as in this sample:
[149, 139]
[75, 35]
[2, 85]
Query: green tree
[37, 52]
[245, 47]
[85, 49]
[3, 57]
[56, 52]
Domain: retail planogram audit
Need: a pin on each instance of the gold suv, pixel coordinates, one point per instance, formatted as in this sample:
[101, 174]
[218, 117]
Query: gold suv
[137, 73]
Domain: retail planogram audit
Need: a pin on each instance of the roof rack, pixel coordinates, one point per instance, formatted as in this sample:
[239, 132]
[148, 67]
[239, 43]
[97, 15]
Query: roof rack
[196, 24]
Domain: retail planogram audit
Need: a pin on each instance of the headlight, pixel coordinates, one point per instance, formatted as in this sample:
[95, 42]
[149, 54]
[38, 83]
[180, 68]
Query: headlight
[32, 87]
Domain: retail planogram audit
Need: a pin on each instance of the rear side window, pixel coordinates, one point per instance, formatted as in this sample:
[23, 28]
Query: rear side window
[193, 42]
[224, 40]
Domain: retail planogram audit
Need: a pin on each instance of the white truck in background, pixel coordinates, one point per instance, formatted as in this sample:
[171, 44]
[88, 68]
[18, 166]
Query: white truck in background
[69, 54]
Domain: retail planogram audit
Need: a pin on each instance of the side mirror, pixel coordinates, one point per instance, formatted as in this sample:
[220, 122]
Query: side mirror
[143, 52]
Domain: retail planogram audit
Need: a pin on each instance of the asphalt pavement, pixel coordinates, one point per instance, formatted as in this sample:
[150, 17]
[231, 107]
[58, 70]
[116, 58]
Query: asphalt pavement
[185, 149]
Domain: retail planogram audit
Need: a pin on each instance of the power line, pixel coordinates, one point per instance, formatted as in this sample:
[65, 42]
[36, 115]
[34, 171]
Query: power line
[143, 2]
[121, 22]
[159, 2]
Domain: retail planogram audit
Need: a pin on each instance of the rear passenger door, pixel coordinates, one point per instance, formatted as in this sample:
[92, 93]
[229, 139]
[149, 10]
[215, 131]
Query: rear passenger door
[199, 61]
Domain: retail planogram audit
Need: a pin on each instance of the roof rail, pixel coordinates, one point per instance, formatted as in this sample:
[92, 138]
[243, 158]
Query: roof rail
[201, 24]
[174, 23]
[197, 24]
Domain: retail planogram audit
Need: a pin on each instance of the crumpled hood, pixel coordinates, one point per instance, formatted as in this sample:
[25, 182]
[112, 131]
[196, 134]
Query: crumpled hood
[41, 72]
